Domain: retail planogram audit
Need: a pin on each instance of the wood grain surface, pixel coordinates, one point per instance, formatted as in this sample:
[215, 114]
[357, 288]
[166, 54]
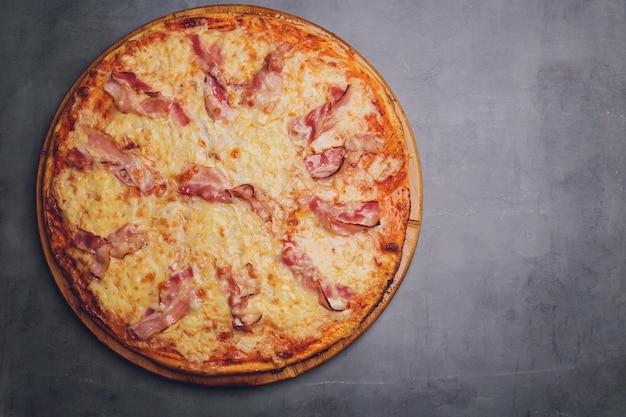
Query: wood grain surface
[260, 378]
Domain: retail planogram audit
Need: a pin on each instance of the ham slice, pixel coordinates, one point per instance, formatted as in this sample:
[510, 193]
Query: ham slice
[206, 182]
[210, 58]
[334, 297]
[124, 164]
[304, 129]
[239, 286]
[125, 240]
[346, 218]
[79, 158]
[266, 85]
[131, 79]
[123, 96]
[216, 100]
[214, 90]
[123, 87]
[214, 186]
[101, 261]
[247, 193]
[178, 113]
[175, 300]
[162, 106]
[88, 241]
[326, 163]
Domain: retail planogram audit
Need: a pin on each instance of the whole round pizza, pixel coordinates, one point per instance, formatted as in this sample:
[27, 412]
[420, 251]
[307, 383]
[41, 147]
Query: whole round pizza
[225, 193]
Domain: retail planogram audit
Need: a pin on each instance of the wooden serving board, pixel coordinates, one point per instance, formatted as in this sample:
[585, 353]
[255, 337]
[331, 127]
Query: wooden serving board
[259, 378]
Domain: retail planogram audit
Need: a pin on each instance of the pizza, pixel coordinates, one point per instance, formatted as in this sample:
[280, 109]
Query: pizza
[227, 193]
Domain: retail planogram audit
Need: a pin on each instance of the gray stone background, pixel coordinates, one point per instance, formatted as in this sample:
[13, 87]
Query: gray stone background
[515, 301]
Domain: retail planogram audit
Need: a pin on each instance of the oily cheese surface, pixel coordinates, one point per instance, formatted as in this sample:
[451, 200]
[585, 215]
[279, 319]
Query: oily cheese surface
[254, 147]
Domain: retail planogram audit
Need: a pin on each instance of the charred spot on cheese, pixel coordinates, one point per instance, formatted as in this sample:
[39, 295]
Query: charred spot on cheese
[391, 247]
[82, 92]
[192, 22]
[215, 23]
[285, 354]
[129, 144]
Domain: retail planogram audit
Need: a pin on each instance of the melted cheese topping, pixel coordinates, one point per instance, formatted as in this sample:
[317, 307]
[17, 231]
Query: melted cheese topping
[253, 148]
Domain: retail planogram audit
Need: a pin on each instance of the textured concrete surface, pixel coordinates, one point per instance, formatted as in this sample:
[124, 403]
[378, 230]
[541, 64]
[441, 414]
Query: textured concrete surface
[515, 302]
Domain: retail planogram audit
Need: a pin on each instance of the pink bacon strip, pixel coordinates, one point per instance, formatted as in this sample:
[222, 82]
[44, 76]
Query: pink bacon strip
[216, 100]
[247, 193]
[210, 58]
[125, 165]
[326, 163]
[239, 286]
[334, 297]
[206, 182]
[123, 87]
[346, 218]
[162, 106]
[213, 185]
[131, 79]
[266, 84]
[214, 90]
[175, 300]
[125, 240]
[304, 129]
